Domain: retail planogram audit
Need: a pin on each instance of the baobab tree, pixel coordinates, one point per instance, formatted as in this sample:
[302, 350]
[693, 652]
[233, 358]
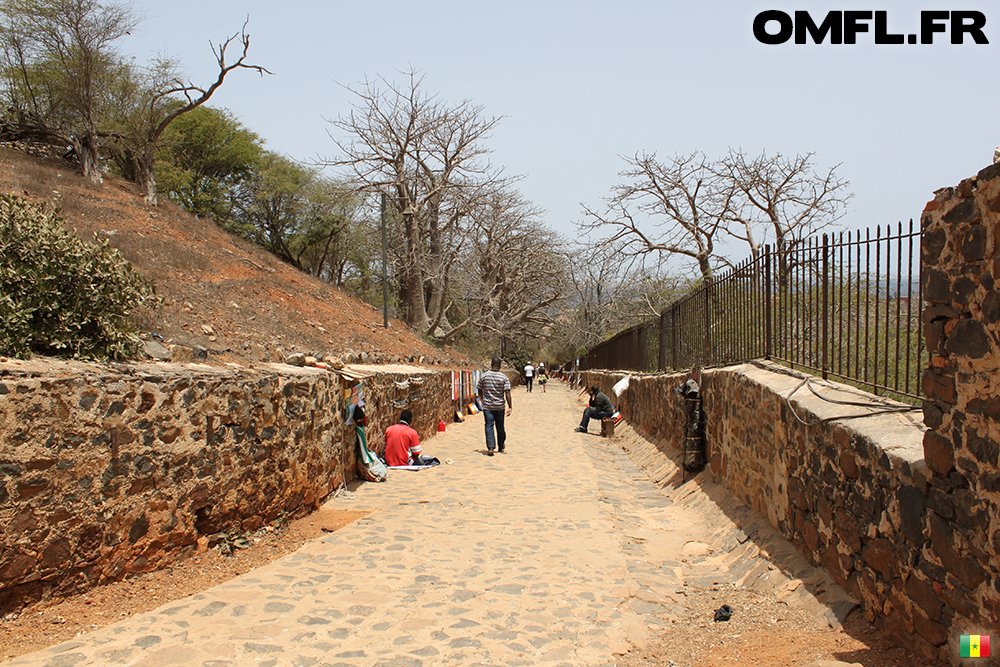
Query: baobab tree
[663, 207]
[429, 158]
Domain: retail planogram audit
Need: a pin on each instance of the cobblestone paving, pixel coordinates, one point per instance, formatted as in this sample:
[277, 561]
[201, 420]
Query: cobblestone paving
[561, 552]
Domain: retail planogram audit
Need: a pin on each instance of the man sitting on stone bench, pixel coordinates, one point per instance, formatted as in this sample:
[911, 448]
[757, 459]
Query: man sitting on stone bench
[599, 408]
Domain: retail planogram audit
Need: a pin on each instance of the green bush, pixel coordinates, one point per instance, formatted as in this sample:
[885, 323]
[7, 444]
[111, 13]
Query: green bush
[61, 295]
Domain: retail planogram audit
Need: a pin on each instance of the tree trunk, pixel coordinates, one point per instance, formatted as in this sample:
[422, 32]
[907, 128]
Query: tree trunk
[86, 149]
[416, 308]
[146, 177]
[705, 266]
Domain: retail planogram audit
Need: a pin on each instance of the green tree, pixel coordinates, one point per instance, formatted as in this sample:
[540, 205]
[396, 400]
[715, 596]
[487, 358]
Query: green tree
[205, 156]
[60, 70]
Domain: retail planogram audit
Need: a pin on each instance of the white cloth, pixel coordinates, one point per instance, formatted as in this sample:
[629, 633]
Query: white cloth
[529, 371]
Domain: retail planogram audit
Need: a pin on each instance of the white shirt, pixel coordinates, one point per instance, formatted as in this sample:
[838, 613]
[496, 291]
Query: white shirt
[528, 370]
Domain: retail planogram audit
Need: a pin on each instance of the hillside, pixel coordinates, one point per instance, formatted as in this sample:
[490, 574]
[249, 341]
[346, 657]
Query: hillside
[219, 292]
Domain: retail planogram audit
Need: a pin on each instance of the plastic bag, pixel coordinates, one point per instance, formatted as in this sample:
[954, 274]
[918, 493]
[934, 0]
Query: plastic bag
[621, 386]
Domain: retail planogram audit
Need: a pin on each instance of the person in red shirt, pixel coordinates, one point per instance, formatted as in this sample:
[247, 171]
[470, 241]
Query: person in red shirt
[402, 444]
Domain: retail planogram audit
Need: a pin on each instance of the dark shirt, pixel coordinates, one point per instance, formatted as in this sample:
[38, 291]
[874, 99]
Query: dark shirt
[601, 403]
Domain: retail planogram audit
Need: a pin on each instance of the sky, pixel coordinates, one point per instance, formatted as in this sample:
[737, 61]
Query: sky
[581, 84]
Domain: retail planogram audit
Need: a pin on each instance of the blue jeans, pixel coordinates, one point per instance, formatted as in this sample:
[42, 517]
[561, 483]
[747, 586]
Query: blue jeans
[495, 417]
[591, 413]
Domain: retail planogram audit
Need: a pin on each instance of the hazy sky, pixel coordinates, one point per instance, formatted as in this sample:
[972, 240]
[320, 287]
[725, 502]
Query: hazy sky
[581, 83]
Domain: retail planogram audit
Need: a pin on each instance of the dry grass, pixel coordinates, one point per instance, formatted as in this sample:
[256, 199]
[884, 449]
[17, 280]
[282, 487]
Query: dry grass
[218, 291]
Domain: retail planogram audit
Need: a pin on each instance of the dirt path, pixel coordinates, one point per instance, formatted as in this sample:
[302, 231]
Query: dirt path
[563, 551]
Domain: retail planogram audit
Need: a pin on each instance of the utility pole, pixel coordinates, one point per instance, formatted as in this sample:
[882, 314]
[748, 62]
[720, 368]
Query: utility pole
[385, 283]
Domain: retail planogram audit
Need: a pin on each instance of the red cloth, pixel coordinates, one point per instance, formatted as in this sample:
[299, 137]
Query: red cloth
[401, 442]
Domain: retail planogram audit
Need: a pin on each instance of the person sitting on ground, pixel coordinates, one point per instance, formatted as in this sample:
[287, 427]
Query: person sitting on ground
[402, 443]
[599, 408]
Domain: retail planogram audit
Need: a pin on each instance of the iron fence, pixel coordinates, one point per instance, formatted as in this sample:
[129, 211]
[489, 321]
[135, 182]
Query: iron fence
[845, 306]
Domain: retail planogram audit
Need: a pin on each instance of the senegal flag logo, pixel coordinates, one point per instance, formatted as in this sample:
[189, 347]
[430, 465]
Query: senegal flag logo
[975, 646]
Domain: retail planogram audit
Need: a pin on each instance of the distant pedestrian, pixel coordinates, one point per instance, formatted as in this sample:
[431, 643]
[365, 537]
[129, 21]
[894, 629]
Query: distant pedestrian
[599, 408]
[529, 373]
[543, 378]
[493, 389]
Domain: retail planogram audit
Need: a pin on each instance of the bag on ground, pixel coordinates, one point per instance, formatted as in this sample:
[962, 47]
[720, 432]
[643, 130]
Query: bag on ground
[370, 467]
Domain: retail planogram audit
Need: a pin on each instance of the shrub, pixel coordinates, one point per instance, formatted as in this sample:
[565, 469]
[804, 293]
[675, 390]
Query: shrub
[60, 294]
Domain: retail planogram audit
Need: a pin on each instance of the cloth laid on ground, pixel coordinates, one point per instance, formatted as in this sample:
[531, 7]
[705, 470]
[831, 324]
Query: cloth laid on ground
[425, 463]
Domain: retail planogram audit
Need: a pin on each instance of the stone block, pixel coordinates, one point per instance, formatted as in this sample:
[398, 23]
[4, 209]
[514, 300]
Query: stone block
[964, 211]
[921, 592]
[945, 544]
[939, 386]
[969, 339]
[939, 453]
[848, 464]
[936, 286]
[880, 555]
[974, 244]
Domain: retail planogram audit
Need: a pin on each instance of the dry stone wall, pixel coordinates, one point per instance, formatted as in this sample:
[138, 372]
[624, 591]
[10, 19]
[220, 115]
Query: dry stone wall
[854, 495]
[908, 519]
[961, 270]
[109, 470]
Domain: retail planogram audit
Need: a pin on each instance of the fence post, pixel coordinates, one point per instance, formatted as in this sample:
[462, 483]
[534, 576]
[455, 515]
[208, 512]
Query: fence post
[768, 314]
[708, 324]
[661, 352]
[673, 335]
[826, 306]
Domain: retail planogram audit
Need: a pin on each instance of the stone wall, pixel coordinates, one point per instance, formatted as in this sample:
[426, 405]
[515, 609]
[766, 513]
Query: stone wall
[108, 470]
[961, 270]
[853, 494]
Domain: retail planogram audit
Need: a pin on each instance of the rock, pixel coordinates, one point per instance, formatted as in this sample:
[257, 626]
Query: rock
[181, 353]
[297, 359]
[155, 350]
[207, 330]
[309, 360]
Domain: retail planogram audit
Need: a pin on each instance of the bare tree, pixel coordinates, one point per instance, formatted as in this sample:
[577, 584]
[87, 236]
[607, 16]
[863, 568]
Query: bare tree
[609, 295]
[160, 97]
[66, 85]
[516, 269]
[680, 207]
[677, 201]
[779, 198]
[430, 159]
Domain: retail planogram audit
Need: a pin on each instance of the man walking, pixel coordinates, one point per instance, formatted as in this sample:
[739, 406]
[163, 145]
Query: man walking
[493, 388]
[529, 374]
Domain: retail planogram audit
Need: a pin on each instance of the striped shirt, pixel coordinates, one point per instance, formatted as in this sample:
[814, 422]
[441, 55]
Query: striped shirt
[492, 387]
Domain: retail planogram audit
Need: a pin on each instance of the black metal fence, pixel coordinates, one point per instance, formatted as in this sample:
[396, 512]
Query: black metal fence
[846, 306]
